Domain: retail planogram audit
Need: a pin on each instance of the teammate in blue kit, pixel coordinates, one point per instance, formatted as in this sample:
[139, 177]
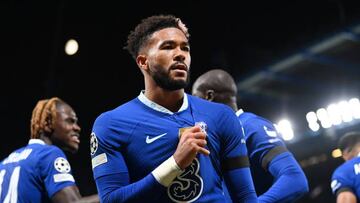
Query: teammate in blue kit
[345, 182]
[277, 175]
[165, 145]
[40, 172]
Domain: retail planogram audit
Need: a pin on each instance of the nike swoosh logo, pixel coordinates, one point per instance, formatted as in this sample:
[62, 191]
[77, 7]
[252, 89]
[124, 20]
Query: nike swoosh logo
[150, 140]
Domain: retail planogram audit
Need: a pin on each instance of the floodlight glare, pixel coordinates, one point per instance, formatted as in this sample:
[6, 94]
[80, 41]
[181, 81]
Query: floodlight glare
[334, 114]
[324, 118]
[345, 110]
[285, 129]
[311, 117]
[355, 107]
[71, 47]
[314, 126]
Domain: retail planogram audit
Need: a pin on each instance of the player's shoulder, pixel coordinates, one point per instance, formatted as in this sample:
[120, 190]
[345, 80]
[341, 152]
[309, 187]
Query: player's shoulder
[48, 150]
[210, 108]
[345, 168]
[123, 111]
[252, 118]
[245, 116]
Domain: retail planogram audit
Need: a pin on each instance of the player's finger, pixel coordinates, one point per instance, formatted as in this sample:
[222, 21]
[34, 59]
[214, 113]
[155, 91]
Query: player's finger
[199, 135]
[200, 142]
[193, 129]
[204, 151]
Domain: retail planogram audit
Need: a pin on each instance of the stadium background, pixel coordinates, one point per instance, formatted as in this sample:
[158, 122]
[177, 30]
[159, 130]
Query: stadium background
[288, 58]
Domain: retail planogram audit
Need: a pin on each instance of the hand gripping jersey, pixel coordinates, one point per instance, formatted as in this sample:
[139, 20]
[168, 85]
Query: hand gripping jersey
[347, 178]
[129, 142]
[34, 173]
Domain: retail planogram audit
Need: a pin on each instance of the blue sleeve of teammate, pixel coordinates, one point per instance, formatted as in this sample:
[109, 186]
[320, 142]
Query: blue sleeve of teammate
[55, 170]
[261, 137]
[290, 181]
[343, 179]
[240, 185]
[235, 163]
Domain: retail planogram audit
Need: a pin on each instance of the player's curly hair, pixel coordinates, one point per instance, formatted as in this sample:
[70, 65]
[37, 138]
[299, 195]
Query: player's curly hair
[139, 36]
[44, 114]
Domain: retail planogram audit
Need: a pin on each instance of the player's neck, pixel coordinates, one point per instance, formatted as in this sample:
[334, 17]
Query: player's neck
[46, 139]
[171, 100]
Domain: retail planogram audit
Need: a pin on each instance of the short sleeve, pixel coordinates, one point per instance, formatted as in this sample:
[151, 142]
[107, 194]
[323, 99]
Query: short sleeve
[341, 180]
[55, 170]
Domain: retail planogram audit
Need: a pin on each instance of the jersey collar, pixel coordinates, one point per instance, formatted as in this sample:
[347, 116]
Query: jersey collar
[36, 141]
[239, 112]
[160, 108]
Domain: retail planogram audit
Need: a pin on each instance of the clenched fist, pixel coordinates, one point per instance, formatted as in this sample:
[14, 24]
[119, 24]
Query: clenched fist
[192, 141]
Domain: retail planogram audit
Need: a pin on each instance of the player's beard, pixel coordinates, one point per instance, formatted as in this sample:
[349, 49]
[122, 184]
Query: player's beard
[163, 80]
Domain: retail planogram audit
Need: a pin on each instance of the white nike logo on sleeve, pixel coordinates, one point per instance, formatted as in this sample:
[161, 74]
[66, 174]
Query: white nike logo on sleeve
[150, 140]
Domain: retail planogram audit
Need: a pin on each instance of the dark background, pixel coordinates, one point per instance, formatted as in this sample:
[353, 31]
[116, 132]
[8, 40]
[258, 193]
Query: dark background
[243, 37]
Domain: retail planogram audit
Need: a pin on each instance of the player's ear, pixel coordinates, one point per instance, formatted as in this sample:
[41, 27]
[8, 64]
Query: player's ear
[142, 62]
[48, 127]
[210, 95]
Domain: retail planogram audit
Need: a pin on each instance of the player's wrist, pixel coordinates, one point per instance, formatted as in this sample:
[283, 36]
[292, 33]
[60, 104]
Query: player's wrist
[166, 172]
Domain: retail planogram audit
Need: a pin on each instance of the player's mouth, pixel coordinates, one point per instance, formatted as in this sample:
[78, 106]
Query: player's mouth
[75, 138]
[179, 67]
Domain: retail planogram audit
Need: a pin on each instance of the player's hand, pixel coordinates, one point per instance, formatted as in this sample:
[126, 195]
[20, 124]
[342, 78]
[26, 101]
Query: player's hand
[192, 141]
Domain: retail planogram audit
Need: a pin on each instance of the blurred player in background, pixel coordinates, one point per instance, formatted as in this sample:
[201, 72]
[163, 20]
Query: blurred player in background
[277, 175]
[345, 182]
[40, 172]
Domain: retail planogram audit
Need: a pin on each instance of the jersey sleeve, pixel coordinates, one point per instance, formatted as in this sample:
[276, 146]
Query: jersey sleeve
[55, 170]
[341, 180]
[109, 167]
[235, 163]
[290, 181]
[263, 141]
[233, 139]
[106, 157]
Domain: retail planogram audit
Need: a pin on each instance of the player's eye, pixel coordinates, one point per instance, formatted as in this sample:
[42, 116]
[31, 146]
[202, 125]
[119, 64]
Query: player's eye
[167, 47]
[186, 48]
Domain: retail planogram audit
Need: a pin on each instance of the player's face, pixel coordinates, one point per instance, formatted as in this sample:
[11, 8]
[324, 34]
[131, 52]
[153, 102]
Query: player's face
[66, 130]
[168, 59]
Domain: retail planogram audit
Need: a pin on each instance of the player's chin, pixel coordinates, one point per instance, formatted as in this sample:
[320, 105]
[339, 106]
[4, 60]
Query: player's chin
[73, 147]
[179, 73]
[180, 78]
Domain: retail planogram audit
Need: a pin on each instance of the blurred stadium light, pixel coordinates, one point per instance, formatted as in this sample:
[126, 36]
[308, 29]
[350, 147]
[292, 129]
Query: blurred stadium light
[334, 115]
[336, 153]
[71, 47]
[285, 129]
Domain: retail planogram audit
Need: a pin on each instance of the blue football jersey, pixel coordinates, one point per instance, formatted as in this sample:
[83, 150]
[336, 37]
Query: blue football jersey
[138, 136]
[347, 177]
[34, 173]
[261, 138]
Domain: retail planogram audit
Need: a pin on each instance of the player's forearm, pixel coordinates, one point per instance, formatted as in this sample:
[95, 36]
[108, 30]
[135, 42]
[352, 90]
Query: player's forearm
[290, 183]
[240, 185]
[145, 189]
[89, 199]
[286, 189]
[346, 197]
